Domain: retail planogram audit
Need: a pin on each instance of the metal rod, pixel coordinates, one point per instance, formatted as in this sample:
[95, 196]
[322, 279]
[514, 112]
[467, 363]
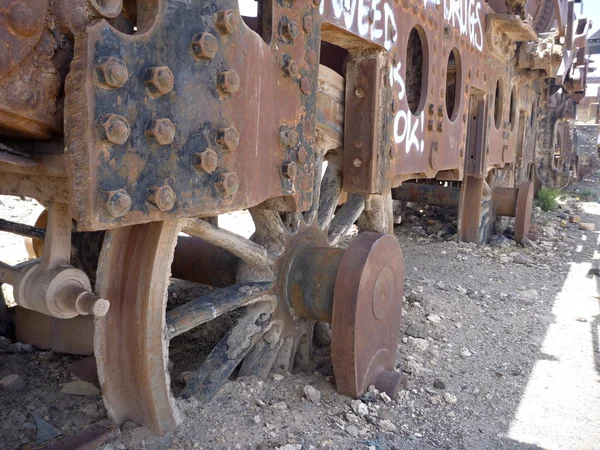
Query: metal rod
[252, 253]
[212, 305]
[22, 229]
[331, 186]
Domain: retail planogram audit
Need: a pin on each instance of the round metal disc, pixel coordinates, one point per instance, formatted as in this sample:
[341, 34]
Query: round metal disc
[367, 309]
[523, 210]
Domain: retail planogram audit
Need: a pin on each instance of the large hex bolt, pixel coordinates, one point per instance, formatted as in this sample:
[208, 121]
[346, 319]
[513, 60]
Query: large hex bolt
[227, 21]
[228, 81]
[290, 68]
[288, 137]
[289, 169]
[162, 131]
[113, 128]
[159, 80]
[162, 198]
[289, 30]
[228, 183]
[117, 203]
[111, 72]
[228, 138]
[204, 46]
[206, 161]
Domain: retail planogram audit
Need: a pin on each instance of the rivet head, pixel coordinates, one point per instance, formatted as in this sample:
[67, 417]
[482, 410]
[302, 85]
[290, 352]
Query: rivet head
[302, 155]
[307, 24]
[290, 68]
[305, 85]
[359, 92]
[111, 72]
[357, 162]
[114, 129]
[159, 80]
[288, 137]
[289, 30]
[228, 183]
[440, 126]
[116, 203]
[206, 161]
[228, 81]
[431, 108]
[440, 111]
[21, 19]
[227, 21]
[204, 46]
[162, 131]
[228, 138]
[289, 170]
[162, 198]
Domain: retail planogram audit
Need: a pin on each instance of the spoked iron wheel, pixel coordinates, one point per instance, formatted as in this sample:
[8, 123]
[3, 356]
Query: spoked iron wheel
[290, 274]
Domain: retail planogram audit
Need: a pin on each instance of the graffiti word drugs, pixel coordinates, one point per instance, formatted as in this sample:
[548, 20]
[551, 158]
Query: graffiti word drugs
[465, 16]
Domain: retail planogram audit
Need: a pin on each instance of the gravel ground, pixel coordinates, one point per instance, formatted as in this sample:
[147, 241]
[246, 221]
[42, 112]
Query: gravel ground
[500, 347]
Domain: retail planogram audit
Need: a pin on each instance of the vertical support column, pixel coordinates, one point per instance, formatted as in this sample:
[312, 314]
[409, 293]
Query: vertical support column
[364, 162]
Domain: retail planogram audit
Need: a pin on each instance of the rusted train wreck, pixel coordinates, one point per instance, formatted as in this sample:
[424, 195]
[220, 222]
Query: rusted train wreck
[137, 121]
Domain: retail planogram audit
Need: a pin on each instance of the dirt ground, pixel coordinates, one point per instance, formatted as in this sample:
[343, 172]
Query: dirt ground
[500, 345]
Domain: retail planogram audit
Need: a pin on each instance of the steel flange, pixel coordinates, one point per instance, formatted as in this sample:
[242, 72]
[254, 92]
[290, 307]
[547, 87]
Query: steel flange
[367, 309]
[523, 210]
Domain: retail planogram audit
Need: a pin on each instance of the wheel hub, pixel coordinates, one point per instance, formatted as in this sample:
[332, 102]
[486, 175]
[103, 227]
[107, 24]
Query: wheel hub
[359, 290]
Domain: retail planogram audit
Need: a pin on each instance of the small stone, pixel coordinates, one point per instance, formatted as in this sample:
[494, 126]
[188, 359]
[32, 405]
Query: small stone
[385, 414]
[518, 258]
[439, 383]
[256, 419]
[575, 219]
[326, 443]
[461, 290]
[417, 331]
[435, 318]
[529, 296]
[441, 286]
[312, 394]
[79, 387]
[279, 405]
[359, 408]
[436, 399]
[259, 402]
[386, 398]
[91, 410]
[526, 242]
[465, 353]
[290, 447]
[277, 377]
[451, 399]
[352, 430]
[420, 344]
[12, 383]
[387, 425]
[19, 347]
[587, 226]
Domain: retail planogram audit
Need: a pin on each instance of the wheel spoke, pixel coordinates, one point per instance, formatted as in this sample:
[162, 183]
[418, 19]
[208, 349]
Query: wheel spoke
[261, 358]
[251, 252]
[331, 186]
[379, 217]
[229, 352]
[311, 214]
[345, 218]
[270, 230]
[213, 305]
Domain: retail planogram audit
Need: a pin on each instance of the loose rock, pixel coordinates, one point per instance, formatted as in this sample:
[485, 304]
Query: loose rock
[587, 226]
[312, 394]
[79, 387]
[359, 408]
[387, 425]
[12, 383]
[518, 258]
[352, 430]
[439, 383]
[451, 399]
[434, 318]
